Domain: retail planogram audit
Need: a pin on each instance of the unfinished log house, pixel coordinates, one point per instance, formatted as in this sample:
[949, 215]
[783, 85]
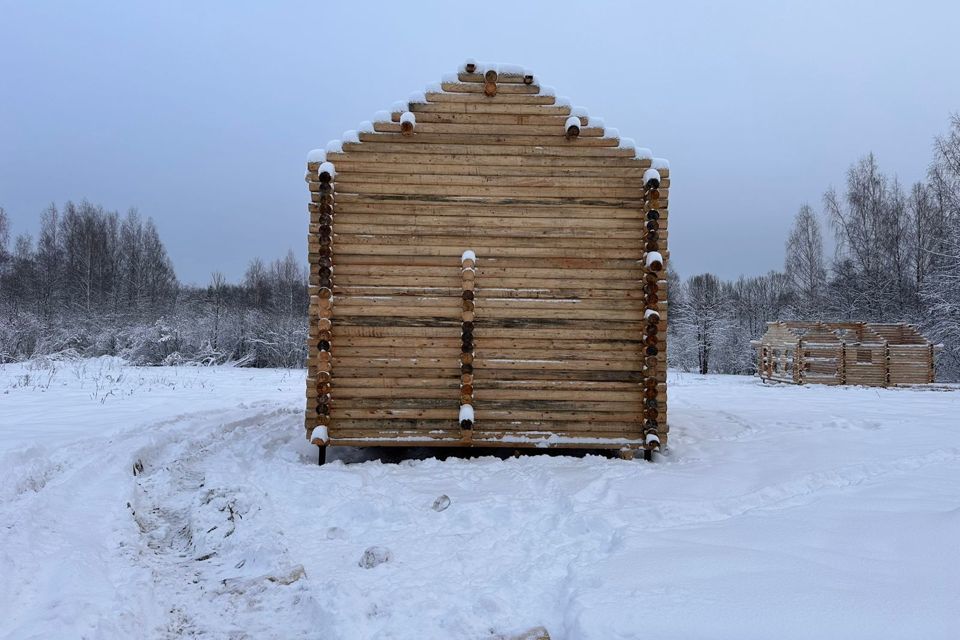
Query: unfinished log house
[859, 353]
[487, 268]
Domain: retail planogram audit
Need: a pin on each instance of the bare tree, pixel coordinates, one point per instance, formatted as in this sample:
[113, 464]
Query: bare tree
[803, 265]
[704, 316]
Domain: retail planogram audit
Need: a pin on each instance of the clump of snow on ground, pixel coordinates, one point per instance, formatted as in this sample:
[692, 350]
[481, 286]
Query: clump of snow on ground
[172, 502]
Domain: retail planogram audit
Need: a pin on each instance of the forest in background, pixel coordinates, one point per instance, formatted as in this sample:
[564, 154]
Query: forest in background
[896, 259]
[97, 283]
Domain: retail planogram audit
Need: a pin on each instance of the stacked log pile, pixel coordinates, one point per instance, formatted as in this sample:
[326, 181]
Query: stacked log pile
[555, 338]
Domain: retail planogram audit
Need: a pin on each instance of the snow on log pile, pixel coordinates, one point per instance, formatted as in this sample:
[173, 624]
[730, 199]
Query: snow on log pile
[565, 341]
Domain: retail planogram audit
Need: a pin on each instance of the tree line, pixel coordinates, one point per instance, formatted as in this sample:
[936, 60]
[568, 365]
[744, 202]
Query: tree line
[896, 259]
[94, 283]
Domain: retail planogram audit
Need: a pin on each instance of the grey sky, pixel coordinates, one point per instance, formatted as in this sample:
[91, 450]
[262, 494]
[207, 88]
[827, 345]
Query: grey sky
[201, 113]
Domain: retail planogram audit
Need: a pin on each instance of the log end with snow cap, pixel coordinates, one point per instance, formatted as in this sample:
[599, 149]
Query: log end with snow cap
[654, 261]
[466, 416]
[572, 126]
[651, 179]
[408, 122]
[326, 172]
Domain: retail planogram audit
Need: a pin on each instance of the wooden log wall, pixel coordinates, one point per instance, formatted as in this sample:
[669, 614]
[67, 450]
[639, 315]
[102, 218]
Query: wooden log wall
[846, 353]
[554, 335]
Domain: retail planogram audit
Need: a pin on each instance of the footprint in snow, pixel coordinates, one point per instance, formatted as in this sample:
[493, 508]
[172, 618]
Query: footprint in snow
[374, 556]
[441, 503]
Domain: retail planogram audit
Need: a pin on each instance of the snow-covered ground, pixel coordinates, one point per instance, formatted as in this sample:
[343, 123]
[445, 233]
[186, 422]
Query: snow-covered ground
[169, 502]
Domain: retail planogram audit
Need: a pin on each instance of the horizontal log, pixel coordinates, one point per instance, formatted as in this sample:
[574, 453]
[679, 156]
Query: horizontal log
[484, 129]
[494, 245]
[349, 180]
[495, 364]
[451, 394]
[472, 146]
[478, 229]
[538, 117]
[491, 222]
[388, 249]
[399, 406]
[503, 88]
[562, 262]
[466, 191]
[488, 351]
[568, 204]
[365, 308]
[490, 107]
[451, 290]
[499, 140]
[371, 205]
[582, 171]
[500, 98]
[557, 158]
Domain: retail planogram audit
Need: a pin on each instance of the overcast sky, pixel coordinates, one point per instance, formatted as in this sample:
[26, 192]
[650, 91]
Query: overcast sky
[200, 114]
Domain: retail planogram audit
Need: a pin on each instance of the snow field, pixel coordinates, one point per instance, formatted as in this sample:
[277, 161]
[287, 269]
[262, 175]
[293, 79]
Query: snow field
[166, 502]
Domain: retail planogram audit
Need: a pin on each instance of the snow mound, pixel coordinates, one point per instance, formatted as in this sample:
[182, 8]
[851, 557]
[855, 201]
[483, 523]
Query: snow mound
[316, 155]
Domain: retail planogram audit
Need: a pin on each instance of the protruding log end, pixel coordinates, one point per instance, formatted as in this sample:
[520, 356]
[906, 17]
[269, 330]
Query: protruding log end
[407, 123]
[572, 126]
[490, 75]
[466, 416]
[651, 179]
[489, 89]
[528, 78]
[326, 172]
[654, 261]
[470, 66]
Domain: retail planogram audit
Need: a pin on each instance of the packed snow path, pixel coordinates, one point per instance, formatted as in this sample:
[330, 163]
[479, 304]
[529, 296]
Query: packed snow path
[171, 502]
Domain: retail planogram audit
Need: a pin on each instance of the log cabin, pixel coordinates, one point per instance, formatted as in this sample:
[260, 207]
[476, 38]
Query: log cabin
[859, 353]
[487, 269]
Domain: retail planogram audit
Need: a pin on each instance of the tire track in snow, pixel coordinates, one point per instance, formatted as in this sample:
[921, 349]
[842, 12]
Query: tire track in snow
[210, 542]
